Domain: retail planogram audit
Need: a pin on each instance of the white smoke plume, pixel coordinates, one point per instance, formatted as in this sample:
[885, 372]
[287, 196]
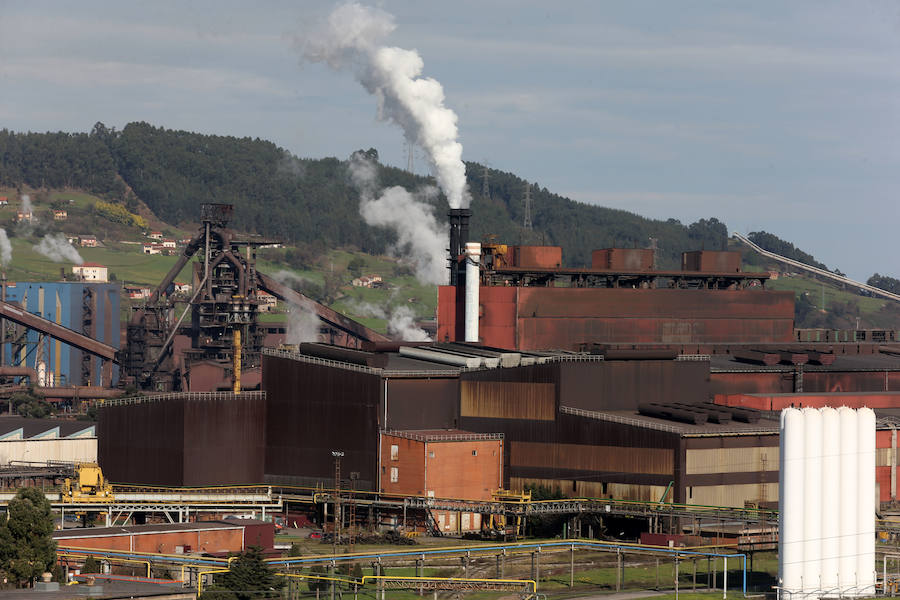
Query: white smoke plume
[401, 321]
[57, 248]
[303, 324]
[26, 204]
[420, 239]
[402, 326]
[5, 248]
[352, 39]
[302, 321]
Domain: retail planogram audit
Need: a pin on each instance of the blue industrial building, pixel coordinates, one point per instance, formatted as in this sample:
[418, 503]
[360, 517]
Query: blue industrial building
[91, 309]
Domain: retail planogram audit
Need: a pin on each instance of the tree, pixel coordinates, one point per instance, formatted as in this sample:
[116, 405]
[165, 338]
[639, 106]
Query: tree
[249, 578]
[27, 548]
[91, 565]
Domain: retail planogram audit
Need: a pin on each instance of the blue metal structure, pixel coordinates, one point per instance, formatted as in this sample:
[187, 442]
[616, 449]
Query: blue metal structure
[91, 309]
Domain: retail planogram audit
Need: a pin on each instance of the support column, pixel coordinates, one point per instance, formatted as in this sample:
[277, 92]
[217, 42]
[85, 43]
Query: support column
[331, 574]
[572, 566]
[618, 570]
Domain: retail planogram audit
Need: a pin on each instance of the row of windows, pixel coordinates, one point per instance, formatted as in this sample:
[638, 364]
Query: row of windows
[395, 452]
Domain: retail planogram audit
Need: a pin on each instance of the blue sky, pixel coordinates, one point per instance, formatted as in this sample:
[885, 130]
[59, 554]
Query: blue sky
[780, 116]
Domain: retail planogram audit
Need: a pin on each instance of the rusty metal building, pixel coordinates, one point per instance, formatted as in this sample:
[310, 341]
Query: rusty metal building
[183, 439]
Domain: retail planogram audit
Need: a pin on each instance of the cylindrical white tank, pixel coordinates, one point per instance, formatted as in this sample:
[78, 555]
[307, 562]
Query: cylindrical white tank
[865, 509]
[473, 282]
[847, 489]
[831, 470]
[812, 494]
[791, 505]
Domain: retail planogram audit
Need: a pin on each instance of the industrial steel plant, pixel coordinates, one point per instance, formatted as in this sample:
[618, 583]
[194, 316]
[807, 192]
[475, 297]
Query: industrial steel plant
[660, 405]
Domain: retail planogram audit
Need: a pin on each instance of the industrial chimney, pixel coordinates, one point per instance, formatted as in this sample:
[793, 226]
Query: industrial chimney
[459, 235]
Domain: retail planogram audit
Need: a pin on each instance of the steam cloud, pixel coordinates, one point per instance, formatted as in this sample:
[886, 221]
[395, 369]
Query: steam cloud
[57, 248]
[352, 39]
[302, 320]
[303, 324]
[420, 239]
[5, 248]
[26, 203]
[401, 322]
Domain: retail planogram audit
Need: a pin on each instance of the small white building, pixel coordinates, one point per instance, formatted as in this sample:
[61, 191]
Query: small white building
[168, 244]
[91, 272]
[367, 281]
[156, 235]
[267, 301]
[87, 241]
[182, 288]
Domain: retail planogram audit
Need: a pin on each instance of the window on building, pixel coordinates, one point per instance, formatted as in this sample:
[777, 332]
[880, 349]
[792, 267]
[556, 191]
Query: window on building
[431, 454]
[603, 488]
[395, 474]
[395, 452]
[474, 452]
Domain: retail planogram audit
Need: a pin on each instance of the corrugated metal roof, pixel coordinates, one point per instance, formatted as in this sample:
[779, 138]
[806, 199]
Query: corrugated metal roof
[82, 532]
[768, 424]
[842, 362]
[43, 428]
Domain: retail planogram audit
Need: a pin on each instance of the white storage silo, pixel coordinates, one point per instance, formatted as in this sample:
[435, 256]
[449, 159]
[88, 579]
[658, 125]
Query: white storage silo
[865, 509]
[847, 519]
[812, 494]
[830, 531]
[790, 516]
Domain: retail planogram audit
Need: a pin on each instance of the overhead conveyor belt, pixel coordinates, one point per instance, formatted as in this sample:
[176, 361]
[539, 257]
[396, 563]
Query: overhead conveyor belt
[56, 331]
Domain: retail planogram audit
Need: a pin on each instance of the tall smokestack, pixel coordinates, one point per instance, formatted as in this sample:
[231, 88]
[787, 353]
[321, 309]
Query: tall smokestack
[473, 282]
[459, 235]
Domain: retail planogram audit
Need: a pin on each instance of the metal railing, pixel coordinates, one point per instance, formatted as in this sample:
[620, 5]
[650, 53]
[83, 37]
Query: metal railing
[444, 437]
[591, 414]
[190, 396]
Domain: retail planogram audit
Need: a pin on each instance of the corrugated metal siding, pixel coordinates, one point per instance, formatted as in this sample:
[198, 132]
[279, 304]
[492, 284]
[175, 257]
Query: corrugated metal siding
[423, 403]
[142, 443]
[180, 441]
[591, 458]
[315, 409]
[529, 401]
[65, 449]
[594, 489]
[733, 495]
[225, 441]
[731, 460]
[622, 385]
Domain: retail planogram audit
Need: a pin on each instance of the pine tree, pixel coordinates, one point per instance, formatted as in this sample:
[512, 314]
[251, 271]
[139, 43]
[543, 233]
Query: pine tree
[27, 548]
[250, 578]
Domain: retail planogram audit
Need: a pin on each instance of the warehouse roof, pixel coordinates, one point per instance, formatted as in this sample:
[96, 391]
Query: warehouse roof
[842, 362]
[768, 423]
[82, 532]
[21, 428]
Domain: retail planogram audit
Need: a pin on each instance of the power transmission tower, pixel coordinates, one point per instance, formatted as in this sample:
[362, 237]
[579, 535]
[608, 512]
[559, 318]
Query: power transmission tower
[485, 187]
[527, 202]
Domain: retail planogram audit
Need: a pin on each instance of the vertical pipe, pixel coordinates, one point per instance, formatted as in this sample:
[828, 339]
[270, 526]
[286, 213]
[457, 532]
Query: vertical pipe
[865, 509]
[725, 579]
[237, 360]
[473, 283]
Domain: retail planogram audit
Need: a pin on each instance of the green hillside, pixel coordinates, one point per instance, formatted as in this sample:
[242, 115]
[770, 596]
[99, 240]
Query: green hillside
[159, 177]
